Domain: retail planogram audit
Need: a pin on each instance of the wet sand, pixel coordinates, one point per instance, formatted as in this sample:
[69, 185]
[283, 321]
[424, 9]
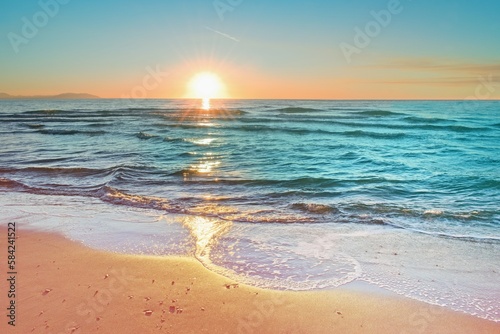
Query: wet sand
[65, 287]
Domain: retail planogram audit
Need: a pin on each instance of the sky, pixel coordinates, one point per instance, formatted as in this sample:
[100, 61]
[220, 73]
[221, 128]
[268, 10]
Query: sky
[325, 49]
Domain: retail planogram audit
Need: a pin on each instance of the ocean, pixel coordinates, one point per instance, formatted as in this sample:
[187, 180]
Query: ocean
[281, 194]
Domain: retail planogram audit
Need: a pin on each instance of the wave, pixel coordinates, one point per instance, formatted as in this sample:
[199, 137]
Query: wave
[142, 109]
[226, 112]
[314, 208]
[421, 125]
[35, 126]
[103, 192]
[488, 184]
[135, 172]
[461, 128]
[46, 112]
[306, 212]
[51, 115]
[189, 111]
[12, 185]
[296, 110]
[377, 135]
[187, 154]
[114, 196]
[179, 114]
[58, 119]
[63, 132]
[68, 171]
[189, 125]
[377, 113]
[425, 120]
[314, 185]
[79, 111]
[291, 183]
[266, 128]
[98, 125]
[452, 128]
[117, 197]
[304, 131]
[431, 127]
[145, 135]
[174, 140]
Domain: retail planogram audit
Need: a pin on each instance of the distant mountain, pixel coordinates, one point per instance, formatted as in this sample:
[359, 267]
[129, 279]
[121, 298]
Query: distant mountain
[64, 96]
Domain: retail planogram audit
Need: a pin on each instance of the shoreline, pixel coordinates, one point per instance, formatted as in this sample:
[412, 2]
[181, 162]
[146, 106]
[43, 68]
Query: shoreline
[70, 288]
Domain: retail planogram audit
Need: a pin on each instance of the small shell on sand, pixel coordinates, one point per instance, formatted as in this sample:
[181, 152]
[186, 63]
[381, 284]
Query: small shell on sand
[148, 313]
[46, 291]
[106, 276]
[203, 309]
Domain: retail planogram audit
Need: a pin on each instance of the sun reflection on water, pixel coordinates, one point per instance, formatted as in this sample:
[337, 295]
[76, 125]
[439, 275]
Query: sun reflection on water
[205, 103]
[205, 167]
[206, 232]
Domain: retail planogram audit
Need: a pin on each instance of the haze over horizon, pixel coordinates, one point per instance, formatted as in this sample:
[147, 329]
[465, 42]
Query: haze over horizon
[325, 50]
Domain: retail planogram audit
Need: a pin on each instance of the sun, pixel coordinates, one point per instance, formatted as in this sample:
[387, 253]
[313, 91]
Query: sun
[206, 86]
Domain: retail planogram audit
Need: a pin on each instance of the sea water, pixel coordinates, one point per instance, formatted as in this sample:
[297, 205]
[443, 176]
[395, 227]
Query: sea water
[282, 194]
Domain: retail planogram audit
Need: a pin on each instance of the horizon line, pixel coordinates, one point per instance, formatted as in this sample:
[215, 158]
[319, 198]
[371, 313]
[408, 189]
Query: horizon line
[52, 97]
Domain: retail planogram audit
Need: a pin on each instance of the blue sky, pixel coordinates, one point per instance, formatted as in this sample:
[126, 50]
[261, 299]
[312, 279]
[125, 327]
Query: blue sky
[261, 49]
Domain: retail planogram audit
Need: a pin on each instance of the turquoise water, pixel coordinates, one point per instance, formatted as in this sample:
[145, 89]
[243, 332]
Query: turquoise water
[282, 193]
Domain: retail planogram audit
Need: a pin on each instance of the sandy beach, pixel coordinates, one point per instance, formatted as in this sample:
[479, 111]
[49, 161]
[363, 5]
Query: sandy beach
[249, 167]
[65, 287]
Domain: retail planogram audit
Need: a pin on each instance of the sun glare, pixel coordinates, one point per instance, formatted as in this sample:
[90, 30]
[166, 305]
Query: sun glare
[206, 86]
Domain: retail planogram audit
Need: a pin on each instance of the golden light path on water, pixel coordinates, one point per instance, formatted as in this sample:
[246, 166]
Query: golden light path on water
[206, 232]
[205, 103]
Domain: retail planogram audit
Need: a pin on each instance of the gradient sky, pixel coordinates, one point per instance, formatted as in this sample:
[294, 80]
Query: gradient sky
[260, 49]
